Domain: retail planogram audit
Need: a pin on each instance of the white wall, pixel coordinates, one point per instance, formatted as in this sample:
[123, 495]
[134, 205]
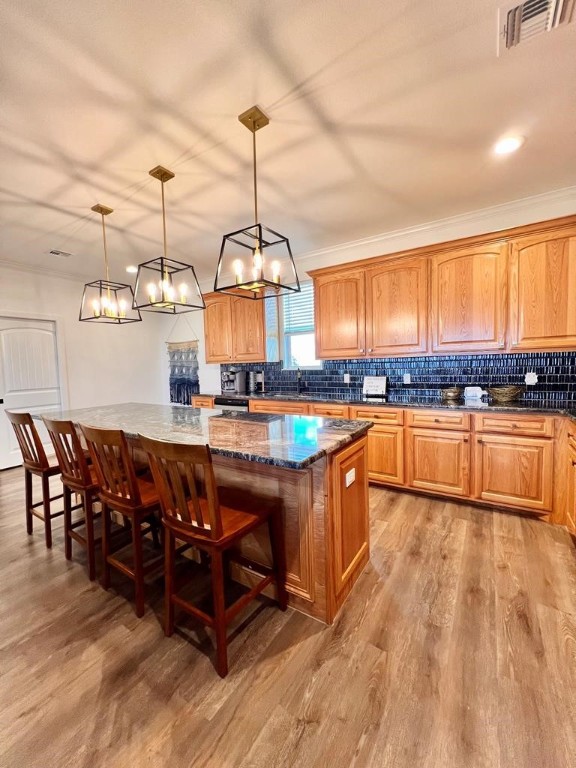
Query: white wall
[102, 364]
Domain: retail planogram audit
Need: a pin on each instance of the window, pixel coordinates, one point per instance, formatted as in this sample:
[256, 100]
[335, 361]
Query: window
[298, 326]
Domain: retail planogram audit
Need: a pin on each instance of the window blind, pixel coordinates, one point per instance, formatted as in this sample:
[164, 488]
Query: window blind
[298, 310]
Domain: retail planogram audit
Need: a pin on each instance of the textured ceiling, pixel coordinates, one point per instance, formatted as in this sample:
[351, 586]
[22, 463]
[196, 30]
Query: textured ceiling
[382, 116]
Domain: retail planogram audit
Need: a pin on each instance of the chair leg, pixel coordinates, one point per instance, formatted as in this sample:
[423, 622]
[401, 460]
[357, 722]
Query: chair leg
[87, 503]
[276, 529]
[169, 546]
[219, 613]
[67, 523]
[138, 565]
[47, 518]
[28, 493]
[106, 531]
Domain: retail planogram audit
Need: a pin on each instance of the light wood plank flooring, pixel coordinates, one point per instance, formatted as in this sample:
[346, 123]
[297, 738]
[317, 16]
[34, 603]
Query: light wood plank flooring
[456, 649]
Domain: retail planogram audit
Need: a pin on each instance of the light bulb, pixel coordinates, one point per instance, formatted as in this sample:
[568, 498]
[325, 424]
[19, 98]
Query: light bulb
[151, 289]
[122, 304]
[258, 259]
[508, 144]
[238, 267]
[183, 289]
[275, 271]
[96, 308]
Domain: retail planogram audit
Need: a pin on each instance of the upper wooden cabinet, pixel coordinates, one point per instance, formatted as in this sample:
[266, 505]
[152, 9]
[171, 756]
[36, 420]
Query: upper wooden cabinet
[396, 308]
[468, 294]
[339, 314]
[374, 312]
[543, 291]
[234, 329]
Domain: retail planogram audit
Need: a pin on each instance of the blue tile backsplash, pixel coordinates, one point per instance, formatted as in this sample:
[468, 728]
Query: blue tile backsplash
[556, 374]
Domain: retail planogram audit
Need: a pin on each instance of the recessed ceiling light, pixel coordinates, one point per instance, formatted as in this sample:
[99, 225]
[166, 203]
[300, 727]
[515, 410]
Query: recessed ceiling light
[509, 144]
[131, 269]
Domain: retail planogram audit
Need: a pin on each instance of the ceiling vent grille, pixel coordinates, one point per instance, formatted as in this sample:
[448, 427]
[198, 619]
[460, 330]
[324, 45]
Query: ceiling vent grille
[60, 254]
[523, 21]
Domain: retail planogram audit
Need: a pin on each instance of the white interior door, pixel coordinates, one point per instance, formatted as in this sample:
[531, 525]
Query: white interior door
[28, 378]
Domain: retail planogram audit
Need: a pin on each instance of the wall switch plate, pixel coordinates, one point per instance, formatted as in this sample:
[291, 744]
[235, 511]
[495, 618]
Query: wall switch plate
[406, 378]
[346, 378]
[531, 378]
[350, 477]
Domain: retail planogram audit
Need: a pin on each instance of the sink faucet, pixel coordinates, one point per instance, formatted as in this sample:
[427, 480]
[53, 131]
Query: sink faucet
[298, 381]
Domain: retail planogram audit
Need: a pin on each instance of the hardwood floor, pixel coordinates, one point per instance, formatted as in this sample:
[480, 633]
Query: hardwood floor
[456, 649]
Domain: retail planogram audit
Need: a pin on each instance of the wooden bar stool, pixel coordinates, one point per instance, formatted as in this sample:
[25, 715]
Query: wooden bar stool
[35, 462]
[79, 478]
[134, 497]
[212, 527]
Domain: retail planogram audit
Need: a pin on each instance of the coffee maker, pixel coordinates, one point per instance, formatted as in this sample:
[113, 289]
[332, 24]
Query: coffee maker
[255, 381]
[234, 380]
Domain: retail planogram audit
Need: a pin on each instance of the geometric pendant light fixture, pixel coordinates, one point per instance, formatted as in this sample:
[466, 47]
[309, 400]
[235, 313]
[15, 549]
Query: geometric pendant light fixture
[104, 301]
[256, 262]
[163, 284]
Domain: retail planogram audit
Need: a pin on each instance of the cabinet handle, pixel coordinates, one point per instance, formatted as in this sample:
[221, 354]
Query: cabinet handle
[479, 440]
[370, 349]
[437, 421]
[574, 463]
[514, 426]
[361, 350]
[465, 439]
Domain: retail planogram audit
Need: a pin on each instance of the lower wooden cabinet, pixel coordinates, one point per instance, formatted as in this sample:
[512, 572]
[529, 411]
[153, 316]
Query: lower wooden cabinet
[202, 401]
[289, 407]
[438, 461]
[514, 471]
[386, 454]
[570, 520]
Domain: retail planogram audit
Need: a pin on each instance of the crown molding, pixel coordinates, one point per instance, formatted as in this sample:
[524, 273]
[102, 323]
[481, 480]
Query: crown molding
[18, 267]
[548, 205]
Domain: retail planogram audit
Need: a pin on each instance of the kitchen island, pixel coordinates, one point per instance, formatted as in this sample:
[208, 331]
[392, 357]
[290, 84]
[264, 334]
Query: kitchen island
[315, 468]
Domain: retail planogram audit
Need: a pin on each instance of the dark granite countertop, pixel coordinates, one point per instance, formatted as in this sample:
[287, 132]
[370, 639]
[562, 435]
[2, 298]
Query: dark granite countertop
[294, 442]
[400, 400]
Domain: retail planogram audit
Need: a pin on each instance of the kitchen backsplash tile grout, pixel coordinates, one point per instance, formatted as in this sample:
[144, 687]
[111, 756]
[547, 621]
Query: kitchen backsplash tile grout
[556, 374]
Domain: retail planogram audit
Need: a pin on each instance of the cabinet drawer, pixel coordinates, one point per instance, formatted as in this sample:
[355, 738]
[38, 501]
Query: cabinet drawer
[378, 415]
[278, 406]
[515, 424]
[439, 419]
[333, 411]
[203, 402]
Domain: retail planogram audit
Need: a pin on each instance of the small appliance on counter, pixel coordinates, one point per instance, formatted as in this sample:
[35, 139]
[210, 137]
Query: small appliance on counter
[234, 380]
[374, 386]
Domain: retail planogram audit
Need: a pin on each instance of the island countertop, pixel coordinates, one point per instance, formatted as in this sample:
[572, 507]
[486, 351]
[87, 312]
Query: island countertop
[293, 442]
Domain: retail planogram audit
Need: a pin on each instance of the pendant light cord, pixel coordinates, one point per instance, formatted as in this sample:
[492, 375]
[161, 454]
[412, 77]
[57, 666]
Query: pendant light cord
[164, 221]
[255, 178]
[105, 249]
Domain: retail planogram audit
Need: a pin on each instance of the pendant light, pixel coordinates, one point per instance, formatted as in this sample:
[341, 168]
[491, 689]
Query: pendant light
[256, 262]
[104, 301]
[163, 284]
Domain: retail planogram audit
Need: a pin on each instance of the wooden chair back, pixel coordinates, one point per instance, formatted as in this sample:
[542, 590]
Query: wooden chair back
[33, 453]
[69, 452]
[114, 467]
[179, 472]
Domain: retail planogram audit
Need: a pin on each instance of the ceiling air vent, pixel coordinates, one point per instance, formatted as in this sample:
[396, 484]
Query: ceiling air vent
[60, 254]
[518, 23]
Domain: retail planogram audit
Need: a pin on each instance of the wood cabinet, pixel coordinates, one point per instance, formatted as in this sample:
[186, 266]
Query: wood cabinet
[385, 456]
[202, 401]
[468, 293]
[339, 314]
[441, 419]
[397, 308]
[514, 471]
[291, 407]
[234, 329]
[570, 520]
[336, 411]
[438, 461]
[374, 312]
[543, 291]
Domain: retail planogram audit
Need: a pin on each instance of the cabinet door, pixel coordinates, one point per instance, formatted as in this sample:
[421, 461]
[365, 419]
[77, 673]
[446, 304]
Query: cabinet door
[248, 330]
[469, 299]
[571, 501]
[543, 292]
[339, 315]
[386, 455]
[278, 406]
[218, 328]
[514, 471]
[396, 308]
[438, 461]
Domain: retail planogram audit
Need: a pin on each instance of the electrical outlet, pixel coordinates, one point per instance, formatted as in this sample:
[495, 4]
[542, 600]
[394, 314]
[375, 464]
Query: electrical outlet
[346, 378]
[531, 378]
[407, 379]
[350, 477]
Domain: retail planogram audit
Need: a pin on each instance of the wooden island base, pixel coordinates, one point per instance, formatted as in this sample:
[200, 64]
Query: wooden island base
[326, 524]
